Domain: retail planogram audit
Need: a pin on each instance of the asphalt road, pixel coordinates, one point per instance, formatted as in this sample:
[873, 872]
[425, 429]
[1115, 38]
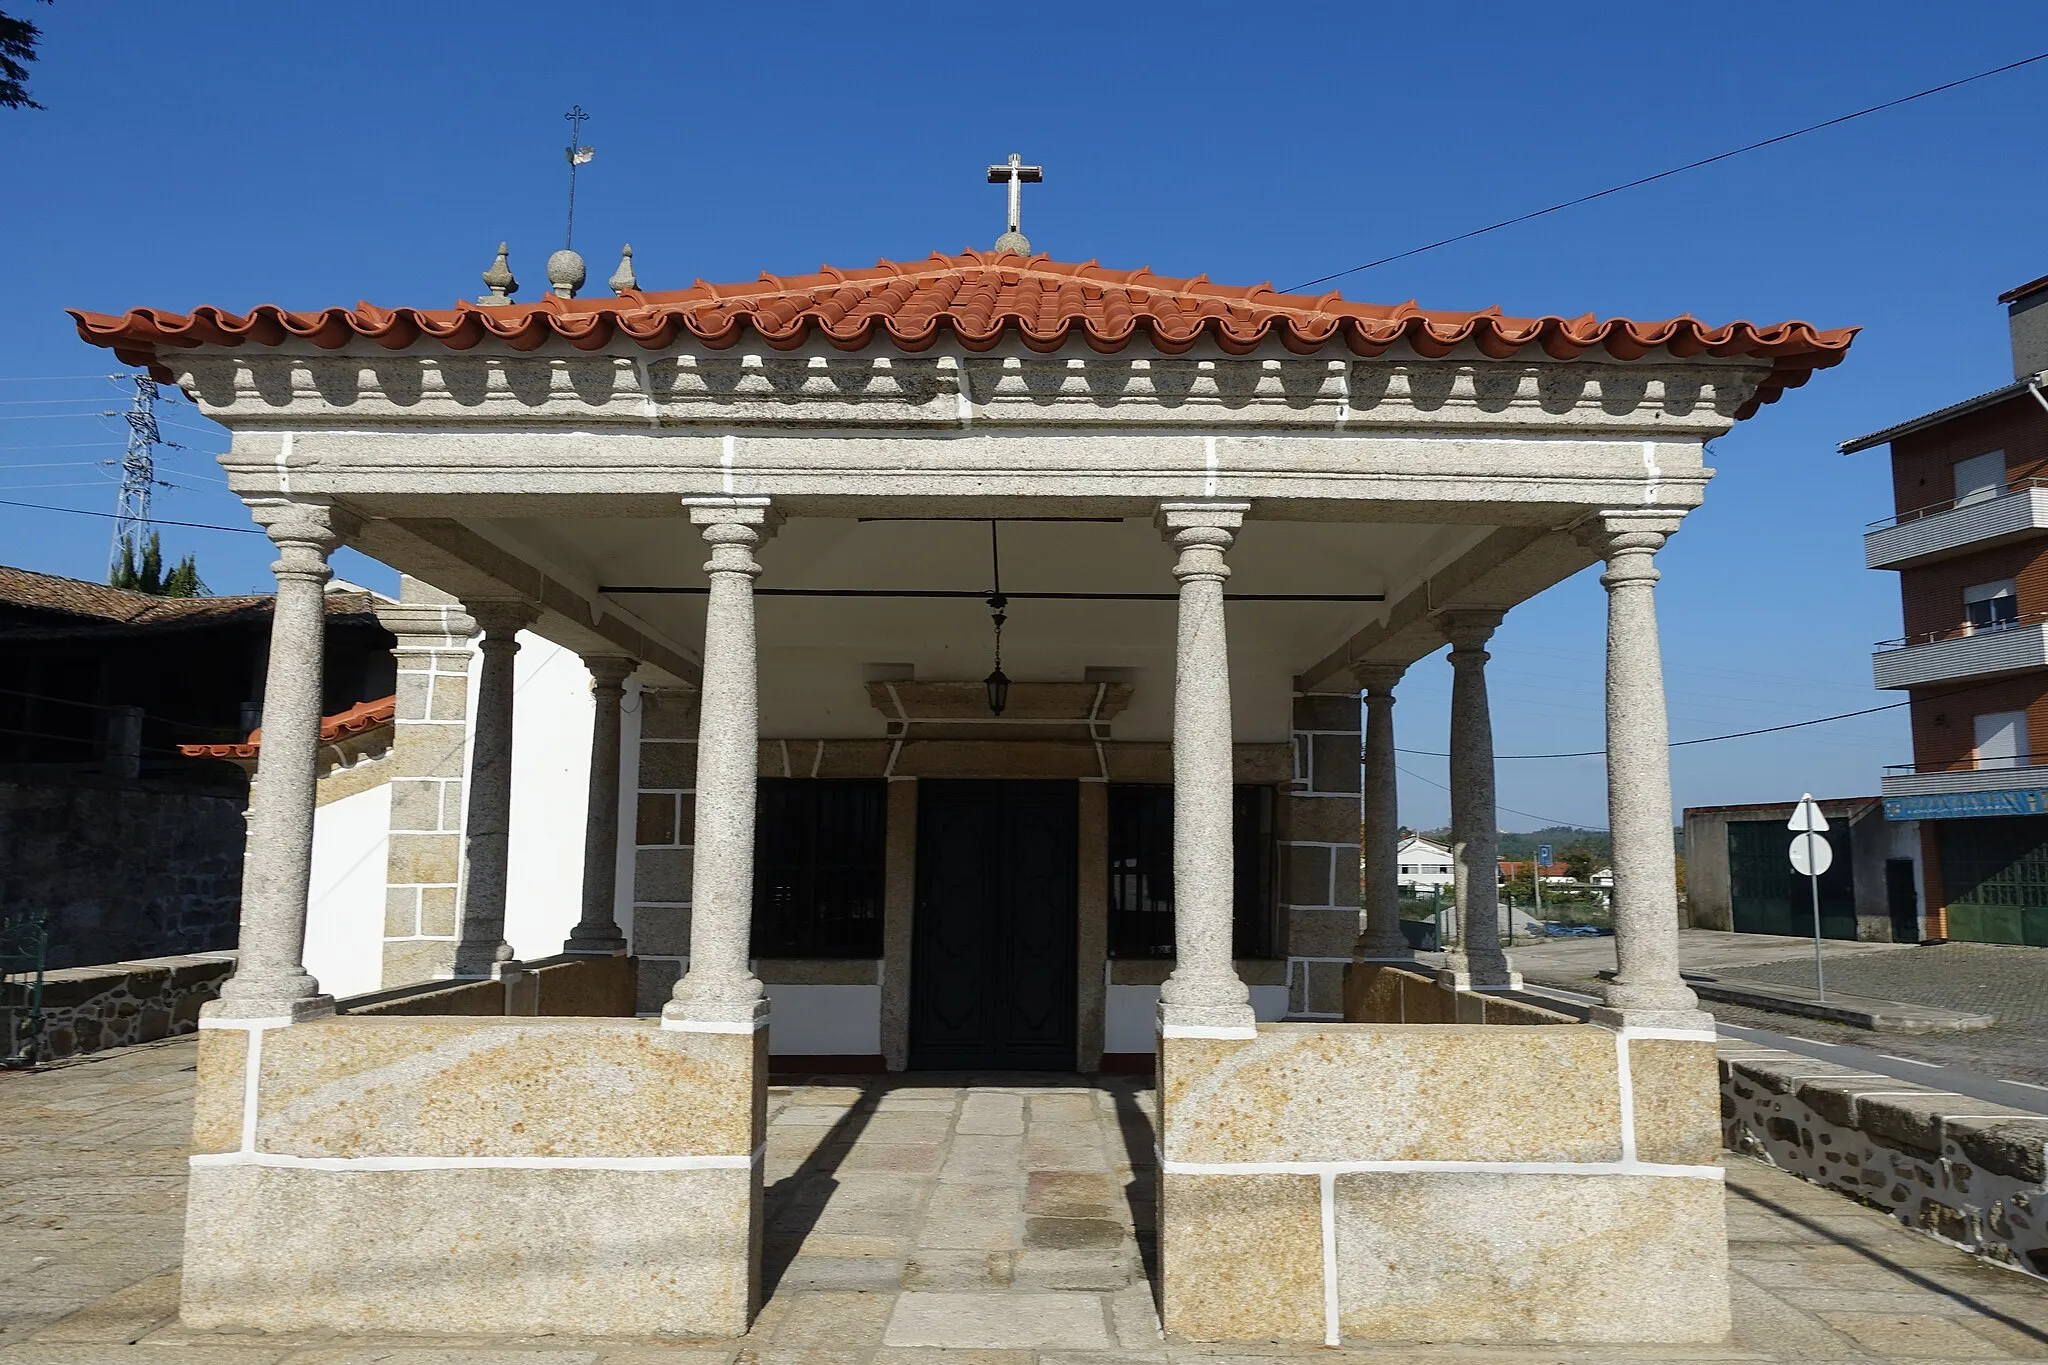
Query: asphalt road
[1939, 1075]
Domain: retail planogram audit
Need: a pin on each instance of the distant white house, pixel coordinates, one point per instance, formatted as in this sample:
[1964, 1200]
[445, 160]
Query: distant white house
[1604, 877]
[1424, 864]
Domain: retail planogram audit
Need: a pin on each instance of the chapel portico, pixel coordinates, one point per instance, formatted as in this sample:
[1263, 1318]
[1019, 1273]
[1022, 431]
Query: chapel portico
[1221, 513]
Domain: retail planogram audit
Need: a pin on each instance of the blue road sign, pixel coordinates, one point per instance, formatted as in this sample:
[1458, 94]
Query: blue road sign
[1543, 854]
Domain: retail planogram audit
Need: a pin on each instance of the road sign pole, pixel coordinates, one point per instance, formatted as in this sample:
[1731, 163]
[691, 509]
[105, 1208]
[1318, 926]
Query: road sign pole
[1820, 981]
[1812, 856]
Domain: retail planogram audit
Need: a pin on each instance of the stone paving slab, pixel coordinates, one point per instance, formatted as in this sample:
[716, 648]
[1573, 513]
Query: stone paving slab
[871, 1185]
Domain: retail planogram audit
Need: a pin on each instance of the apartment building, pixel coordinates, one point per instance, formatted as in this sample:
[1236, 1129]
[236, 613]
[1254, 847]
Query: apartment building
[1969, 541]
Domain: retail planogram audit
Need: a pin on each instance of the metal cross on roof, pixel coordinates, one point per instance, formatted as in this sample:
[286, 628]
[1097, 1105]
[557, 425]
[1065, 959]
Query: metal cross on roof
[1016, 175]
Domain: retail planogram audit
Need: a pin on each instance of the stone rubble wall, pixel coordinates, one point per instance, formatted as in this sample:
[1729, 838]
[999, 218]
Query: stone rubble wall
[1964, 1171]
[123, 870]
[86, 1009]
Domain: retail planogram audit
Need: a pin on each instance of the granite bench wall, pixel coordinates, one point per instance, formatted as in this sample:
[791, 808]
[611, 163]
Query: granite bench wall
[1968, 1172]
[567, 985]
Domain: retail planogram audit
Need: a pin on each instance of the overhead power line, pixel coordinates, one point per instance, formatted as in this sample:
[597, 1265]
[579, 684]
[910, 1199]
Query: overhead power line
[1675, 170]
[1549, 820]
[153, 521]
[1736, 734]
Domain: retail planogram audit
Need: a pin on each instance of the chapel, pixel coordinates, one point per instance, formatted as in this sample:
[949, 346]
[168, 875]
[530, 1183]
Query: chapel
[981, 652]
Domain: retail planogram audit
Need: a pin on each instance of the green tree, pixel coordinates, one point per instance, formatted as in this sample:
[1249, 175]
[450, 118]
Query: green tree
[144, 572]
[1578, 863]
[17, 49]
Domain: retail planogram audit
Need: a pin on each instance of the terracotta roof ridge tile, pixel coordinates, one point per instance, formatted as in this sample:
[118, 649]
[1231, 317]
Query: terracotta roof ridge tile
[979, 297]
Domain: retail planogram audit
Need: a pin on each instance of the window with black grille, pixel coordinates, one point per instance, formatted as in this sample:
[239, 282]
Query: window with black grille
[1141, 870]
[818, 849]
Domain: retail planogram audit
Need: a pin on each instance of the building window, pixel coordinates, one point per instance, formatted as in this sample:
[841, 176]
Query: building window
[818, 851]
[1141, 871]
[1991, 606]
[1980, 478]
[2002, 740]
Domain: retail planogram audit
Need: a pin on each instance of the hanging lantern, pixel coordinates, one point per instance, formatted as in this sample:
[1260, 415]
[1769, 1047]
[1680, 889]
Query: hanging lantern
[997, 682]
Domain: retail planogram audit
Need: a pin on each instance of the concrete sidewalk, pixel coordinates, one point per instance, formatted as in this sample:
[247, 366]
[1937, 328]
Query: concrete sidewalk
[912, 1221]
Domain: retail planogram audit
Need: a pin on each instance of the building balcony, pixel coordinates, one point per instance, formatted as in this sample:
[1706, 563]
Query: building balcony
[1965, 652]
[2008, 786]
[1927, 534]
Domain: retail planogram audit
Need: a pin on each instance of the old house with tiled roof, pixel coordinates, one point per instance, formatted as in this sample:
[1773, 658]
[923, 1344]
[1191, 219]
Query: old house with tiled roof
[99, 689]
[1004, 716]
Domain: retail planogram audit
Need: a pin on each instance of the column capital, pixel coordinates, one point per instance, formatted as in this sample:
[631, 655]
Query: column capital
[501, 618]
[1377, 679]
[1174, 517]
[1469, 628]
[302, 522]
[426, 625]
[609, 671]
[756, 512]
[1627, 528]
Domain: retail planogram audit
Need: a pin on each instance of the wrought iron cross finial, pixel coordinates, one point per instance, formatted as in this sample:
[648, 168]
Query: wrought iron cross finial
[576, 154]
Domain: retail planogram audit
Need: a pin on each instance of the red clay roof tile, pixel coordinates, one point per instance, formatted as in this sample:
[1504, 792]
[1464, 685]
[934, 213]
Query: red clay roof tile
[74, 606]
[975, 300]
[364, 715]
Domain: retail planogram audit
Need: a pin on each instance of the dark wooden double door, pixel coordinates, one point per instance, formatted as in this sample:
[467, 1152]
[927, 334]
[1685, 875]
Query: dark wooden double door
[993, 945]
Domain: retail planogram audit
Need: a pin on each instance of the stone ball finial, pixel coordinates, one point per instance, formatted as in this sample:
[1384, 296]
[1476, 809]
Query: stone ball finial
[565, 273]
[1013, 241]
[622, 280]
[499, 280]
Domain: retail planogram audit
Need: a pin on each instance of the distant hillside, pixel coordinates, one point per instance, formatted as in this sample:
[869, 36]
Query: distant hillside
[1520, 847]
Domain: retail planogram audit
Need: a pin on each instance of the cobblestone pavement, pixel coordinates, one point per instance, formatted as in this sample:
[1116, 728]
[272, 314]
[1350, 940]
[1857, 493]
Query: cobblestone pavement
[911, 1222]
[2008, 982]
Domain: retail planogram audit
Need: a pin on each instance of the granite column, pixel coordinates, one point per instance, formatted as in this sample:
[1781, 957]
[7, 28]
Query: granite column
[1380, 938]
[598, 930]
[270, 981]
[1477, 963]
[480, 947]
[1204, 991]
[1647, 989]
[720, 991]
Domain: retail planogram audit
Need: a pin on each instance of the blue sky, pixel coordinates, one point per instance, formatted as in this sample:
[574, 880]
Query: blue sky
[237, 153]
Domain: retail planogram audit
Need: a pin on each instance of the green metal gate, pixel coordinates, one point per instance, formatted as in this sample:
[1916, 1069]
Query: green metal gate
[1994, 874]
[1765, 896]
[24, 942]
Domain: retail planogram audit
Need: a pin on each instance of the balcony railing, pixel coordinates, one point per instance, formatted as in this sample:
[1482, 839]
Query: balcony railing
[1958, 525]
[1935, 509]
[1963, 652]
[2017, 773]
[1958, 632]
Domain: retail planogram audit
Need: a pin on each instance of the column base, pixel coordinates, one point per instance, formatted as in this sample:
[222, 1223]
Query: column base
[234, 1010]
[715, 1016]
[1207, 1021]
[596, 947]
[1662, 1020]
[1463, 979]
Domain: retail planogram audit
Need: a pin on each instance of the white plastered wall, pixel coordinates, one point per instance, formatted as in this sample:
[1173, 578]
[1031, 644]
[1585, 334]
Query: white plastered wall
[550, 781]
[551, 721]
[345, 911]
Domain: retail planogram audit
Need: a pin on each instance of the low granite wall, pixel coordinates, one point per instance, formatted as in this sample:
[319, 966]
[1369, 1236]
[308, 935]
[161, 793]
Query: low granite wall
[1965, 1171]
[1375, 993]
[593, 1177]
[86, 1009]
[568, 985]
[1432, 1182]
